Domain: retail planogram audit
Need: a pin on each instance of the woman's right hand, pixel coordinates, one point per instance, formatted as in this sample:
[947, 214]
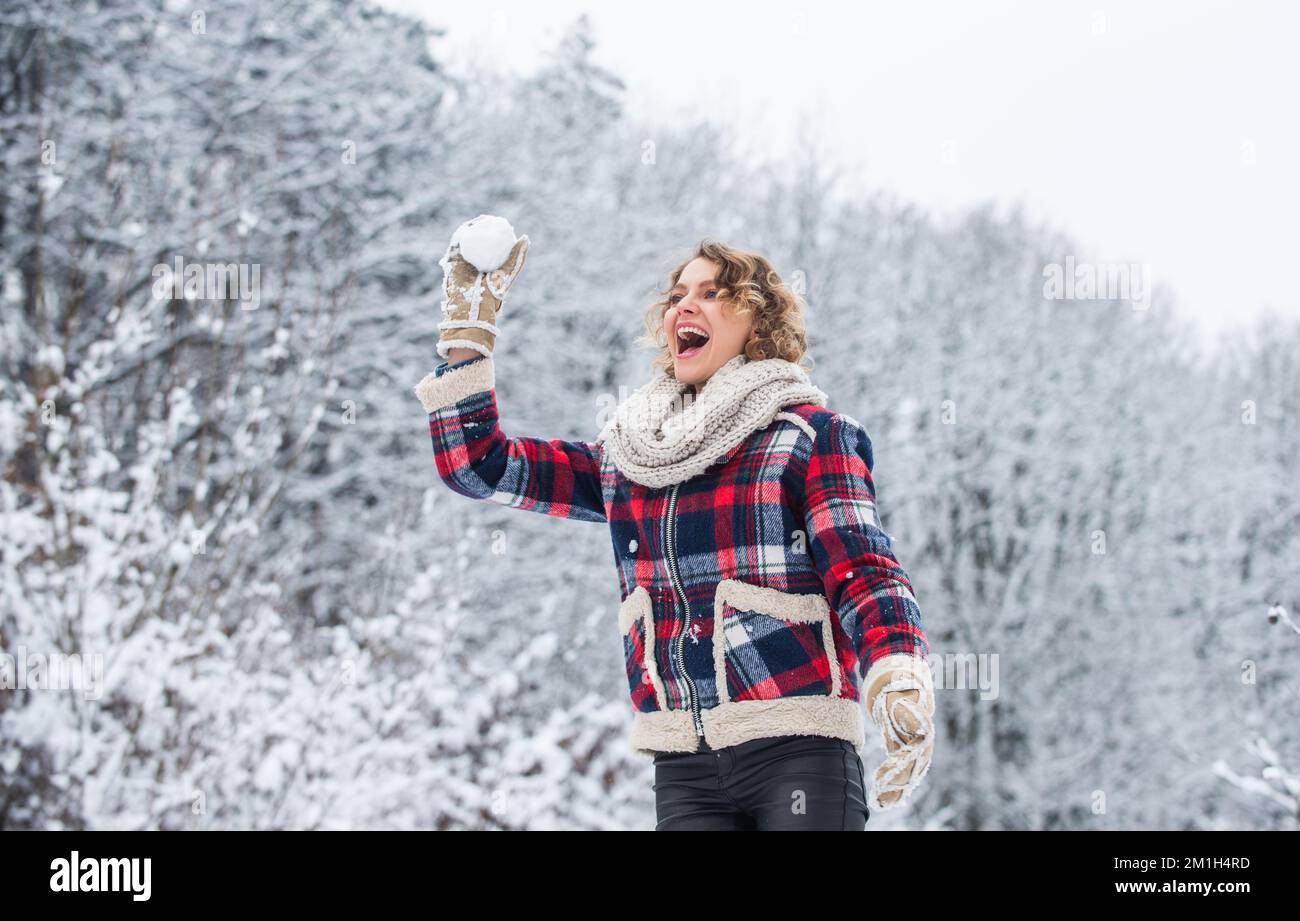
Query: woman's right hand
[473, 299]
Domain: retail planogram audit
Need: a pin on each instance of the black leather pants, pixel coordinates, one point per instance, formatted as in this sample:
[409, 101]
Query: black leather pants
[784, 783]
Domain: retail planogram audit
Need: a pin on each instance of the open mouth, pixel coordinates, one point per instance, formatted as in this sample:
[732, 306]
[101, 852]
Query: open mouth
[691, 340]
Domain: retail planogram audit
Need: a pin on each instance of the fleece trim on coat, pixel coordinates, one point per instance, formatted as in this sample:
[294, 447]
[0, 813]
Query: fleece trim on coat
[437, 391]
[734, 598]
[746, 720]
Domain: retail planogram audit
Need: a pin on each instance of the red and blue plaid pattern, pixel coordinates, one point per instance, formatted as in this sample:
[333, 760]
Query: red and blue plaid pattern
[768, 657]
[475, 459]
[784, 510]
[638, 679]
[863, 581]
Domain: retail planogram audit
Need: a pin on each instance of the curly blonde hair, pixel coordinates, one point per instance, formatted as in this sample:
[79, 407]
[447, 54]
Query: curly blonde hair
[748, 284]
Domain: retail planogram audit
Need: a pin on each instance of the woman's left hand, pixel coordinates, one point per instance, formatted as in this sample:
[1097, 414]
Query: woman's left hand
[901, 702]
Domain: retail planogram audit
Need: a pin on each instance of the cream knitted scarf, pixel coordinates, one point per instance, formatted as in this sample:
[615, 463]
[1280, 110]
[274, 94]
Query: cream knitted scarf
[660, 435]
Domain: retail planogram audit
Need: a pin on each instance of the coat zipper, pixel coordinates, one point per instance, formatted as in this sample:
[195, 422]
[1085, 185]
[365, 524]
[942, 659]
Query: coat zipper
[670, 538]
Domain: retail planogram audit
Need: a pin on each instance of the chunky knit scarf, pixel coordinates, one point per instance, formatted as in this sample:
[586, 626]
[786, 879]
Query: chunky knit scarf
[661, 435]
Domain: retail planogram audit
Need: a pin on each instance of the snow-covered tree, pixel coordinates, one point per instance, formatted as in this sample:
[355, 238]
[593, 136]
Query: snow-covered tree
[231, 501]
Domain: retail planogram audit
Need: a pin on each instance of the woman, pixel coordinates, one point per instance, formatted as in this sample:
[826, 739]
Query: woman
[761, 601]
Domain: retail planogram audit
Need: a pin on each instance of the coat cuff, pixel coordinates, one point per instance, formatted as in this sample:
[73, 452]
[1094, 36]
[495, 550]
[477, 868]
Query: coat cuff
[905, 664]
[436, 392]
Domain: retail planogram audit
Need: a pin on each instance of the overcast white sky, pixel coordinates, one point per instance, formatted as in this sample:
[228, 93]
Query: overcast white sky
[1163, 133]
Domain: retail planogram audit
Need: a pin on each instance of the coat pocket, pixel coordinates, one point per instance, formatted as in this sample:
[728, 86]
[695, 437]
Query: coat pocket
[637, 625]
[770, 644]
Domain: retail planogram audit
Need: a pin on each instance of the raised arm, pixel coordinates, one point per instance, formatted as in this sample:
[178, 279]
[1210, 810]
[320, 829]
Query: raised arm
[477, 459]
[474, 457]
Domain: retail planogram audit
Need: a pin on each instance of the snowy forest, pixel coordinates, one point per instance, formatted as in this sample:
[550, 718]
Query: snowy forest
[232, 505]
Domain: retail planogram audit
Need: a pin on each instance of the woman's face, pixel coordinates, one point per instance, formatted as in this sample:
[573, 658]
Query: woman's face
[694, 304]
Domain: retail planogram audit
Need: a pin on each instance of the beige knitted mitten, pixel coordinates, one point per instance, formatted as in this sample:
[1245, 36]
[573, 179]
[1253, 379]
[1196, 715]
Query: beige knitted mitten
[900, 699]
[473, 298]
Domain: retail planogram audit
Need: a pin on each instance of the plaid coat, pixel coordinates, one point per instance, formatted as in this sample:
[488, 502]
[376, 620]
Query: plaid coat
[758, 598]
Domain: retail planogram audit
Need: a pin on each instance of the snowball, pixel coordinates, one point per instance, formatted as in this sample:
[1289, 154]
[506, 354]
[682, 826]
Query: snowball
[485, 241]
